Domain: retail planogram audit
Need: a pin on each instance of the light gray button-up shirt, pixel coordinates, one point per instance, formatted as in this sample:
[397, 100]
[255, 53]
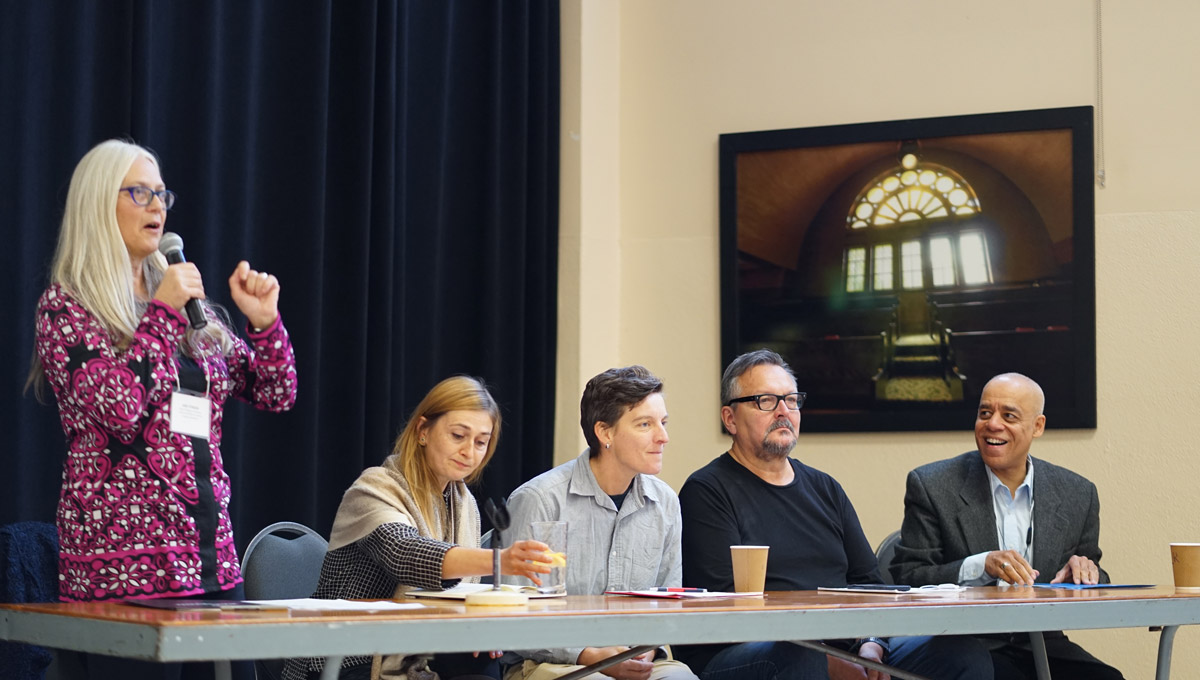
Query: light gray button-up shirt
[635, 548]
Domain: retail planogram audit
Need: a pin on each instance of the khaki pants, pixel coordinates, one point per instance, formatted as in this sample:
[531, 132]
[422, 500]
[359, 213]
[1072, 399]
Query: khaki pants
[664, 669]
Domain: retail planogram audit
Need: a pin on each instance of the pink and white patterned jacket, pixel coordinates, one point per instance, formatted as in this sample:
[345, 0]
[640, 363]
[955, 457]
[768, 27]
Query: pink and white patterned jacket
[143, 511]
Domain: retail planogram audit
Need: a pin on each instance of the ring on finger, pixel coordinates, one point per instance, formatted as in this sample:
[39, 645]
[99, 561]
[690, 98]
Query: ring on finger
[1006, 565]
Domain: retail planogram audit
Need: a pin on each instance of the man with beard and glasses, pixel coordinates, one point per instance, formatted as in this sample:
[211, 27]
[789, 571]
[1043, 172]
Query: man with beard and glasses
[756, 495]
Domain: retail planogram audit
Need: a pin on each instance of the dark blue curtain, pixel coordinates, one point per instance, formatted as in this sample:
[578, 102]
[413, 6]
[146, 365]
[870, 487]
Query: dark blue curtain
[395, 164]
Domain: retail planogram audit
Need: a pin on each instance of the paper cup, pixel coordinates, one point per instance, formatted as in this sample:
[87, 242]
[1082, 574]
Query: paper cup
[1185, 562]
[749, 567]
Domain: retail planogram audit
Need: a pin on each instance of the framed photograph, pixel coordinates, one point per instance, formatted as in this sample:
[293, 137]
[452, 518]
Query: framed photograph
[898, 266]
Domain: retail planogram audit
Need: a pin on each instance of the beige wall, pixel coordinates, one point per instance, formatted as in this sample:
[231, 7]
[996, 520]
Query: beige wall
[650, 84]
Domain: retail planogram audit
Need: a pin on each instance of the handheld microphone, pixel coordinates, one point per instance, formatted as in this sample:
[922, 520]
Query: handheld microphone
[171, 246]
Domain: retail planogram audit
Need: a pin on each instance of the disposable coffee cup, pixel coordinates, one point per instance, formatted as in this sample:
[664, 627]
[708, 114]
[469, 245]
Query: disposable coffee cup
[1185, 562]
[749, 567]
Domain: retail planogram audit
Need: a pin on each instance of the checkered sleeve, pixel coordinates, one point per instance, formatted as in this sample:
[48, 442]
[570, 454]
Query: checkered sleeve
[407, 556]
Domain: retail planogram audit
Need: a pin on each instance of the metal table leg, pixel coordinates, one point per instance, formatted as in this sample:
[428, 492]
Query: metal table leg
[1164, 652]
[333, 664]
[1041, 662]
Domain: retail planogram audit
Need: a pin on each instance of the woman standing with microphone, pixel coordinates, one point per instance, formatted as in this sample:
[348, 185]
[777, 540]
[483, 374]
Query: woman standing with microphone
[143, 510]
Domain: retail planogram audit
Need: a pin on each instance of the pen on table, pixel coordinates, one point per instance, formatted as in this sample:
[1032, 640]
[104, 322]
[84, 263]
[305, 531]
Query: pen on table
[665, 589]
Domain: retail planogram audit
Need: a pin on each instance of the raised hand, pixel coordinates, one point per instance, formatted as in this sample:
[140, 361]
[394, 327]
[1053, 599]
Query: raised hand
[255, 293]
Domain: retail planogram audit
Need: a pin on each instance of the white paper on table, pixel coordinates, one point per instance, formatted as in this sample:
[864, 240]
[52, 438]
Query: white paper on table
[315, 604]
[940, 590]
[462, 590]
[681, 594]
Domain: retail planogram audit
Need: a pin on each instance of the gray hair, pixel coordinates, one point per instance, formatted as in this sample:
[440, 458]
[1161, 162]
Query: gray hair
[730, 385]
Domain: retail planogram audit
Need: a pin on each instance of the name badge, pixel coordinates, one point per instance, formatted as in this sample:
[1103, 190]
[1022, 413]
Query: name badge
[191, 414]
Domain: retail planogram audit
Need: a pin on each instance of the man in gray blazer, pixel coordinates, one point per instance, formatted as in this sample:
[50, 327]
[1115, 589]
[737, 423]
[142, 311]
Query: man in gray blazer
[998, 515]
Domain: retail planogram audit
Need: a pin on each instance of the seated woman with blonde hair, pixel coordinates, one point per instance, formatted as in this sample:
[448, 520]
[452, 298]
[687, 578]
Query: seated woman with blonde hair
[412, 523]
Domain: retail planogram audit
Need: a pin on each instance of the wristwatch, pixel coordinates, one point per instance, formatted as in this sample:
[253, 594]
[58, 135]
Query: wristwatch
[887, 649]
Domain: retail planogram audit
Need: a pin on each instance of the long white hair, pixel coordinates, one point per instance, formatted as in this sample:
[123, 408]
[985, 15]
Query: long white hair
[92, 263]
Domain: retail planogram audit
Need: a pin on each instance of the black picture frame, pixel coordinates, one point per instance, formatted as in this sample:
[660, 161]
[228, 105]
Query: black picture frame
[800, 274]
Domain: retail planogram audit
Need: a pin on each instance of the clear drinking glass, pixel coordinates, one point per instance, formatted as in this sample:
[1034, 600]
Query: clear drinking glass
[553, 534]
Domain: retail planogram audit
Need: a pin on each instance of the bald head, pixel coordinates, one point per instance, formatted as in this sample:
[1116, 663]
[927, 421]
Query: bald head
[1024, 384]
[1009, 419]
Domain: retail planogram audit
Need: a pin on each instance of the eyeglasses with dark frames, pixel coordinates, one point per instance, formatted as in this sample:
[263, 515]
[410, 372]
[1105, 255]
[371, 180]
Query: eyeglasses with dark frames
[768, 402]
[145, 195]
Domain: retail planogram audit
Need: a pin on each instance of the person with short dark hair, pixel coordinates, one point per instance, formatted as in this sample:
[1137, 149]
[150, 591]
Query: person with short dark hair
[997, 515]
[622, 522]
[755, 494]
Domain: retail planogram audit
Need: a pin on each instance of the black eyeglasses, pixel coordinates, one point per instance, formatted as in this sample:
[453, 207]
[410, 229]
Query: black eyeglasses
[768, 402]
[144, 195]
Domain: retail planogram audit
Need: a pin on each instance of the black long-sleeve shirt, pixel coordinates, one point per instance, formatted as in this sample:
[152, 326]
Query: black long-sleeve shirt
[810, 525]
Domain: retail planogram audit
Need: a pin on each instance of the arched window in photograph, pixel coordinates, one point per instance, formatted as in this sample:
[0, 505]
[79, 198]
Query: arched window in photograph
[915, 222]
[914, 190]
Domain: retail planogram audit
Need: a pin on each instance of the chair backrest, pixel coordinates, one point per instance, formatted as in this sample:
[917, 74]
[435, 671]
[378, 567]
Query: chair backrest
[28, 573]
[283, 561]
[884, 554]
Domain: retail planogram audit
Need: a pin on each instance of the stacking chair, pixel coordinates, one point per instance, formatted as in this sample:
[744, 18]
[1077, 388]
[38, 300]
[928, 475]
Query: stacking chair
[282, 562]
[884, 555]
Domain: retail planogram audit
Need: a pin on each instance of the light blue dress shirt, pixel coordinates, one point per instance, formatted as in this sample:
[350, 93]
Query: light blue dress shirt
[635, 548]
[1014, 517]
